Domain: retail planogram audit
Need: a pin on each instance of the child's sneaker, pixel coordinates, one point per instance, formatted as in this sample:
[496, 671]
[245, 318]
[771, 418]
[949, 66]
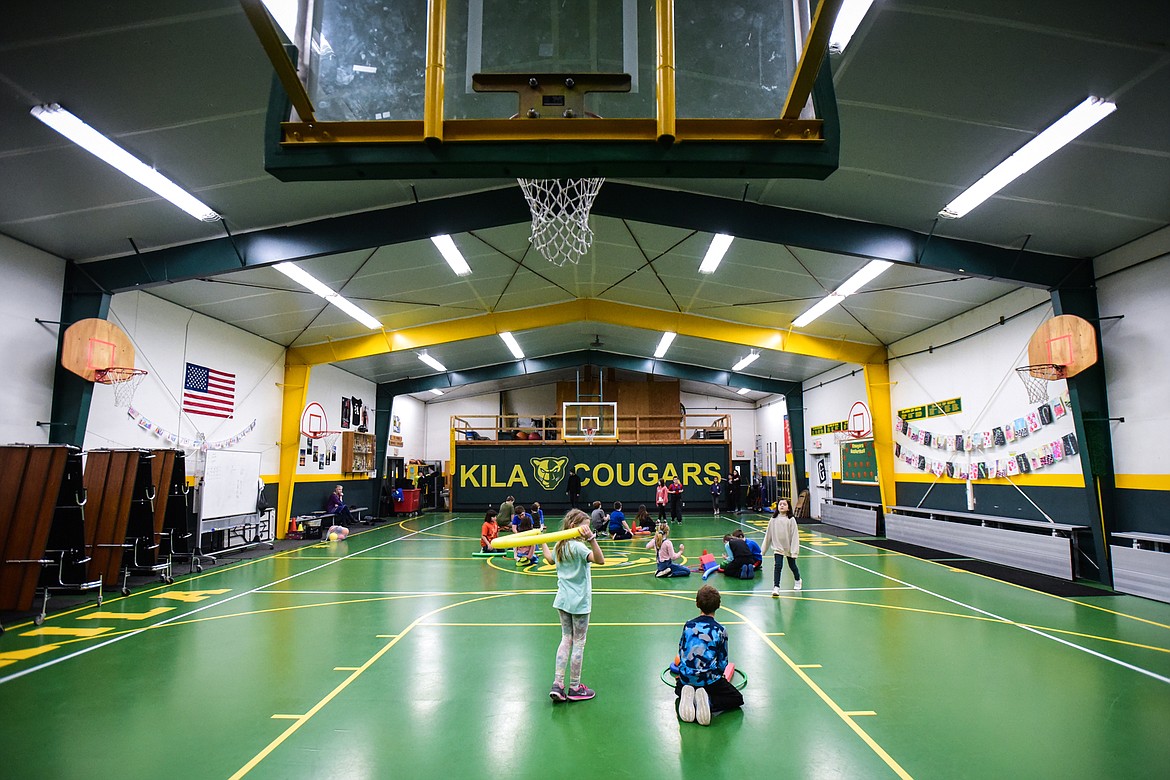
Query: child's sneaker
[580, 692]
[798, 585]
[702, 707]
[662, 573]
[776, 591]
[686, 704]
[557, 693]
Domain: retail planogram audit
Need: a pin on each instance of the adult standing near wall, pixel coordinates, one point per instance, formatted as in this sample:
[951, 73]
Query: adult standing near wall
[574, 489]
[675, 491]
[733, 502]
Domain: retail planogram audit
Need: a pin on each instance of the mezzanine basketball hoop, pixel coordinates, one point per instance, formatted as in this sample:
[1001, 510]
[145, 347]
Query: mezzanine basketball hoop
[123, 380]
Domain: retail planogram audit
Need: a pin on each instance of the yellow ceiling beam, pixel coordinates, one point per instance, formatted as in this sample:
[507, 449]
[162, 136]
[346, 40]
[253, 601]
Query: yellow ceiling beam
[586, 310]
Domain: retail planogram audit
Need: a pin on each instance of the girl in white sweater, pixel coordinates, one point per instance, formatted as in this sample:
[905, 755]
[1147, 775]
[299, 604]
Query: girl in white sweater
[783, 538]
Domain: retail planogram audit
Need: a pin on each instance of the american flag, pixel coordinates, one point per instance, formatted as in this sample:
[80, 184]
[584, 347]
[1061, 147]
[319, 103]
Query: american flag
[208, 392]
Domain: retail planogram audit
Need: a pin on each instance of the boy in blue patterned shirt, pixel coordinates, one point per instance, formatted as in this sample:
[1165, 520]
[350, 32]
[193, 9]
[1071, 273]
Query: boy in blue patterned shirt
[702, 689]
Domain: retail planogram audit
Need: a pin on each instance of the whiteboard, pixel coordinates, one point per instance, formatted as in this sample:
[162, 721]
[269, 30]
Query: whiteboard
[231, 481]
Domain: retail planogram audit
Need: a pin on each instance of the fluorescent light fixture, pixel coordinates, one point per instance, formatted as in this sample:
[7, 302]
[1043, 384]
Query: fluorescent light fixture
[715, 252]
[742, 391]
[819, 308]
[870, 271]
[452, 255]
[510, 340]
[746, 360]
[1063, 131]
[430, 361]
[436, 391]
[848, 20]
[109, 152]
[315, 286]
[664, 343]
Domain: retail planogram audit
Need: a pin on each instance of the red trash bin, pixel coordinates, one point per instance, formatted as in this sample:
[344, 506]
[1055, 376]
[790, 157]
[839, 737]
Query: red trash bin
[409, 503]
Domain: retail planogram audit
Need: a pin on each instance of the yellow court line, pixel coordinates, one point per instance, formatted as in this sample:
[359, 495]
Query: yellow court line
[809, 666]
[345, 668]
[286, 717]
[836, 708]
[858, 713]
[296, 725]
[591, 624]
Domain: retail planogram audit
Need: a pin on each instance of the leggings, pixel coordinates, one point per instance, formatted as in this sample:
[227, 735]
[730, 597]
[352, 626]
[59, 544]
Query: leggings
[780, 568]
[571, 650]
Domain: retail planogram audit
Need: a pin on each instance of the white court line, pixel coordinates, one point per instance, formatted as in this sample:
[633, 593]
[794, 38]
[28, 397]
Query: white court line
[548, 590]
[173, 618]
[1036, 631]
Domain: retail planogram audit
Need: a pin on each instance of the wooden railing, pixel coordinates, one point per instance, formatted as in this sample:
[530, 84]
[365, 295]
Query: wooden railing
[631, 429]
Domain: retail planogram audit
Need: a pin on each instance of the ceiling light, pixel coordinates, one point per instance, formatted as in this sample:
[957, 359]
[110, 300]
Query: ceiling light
[872, 270]
[314, 285]
[1064, 130]
[742, 391]
[746, 360]
[848, 20]
[452, 255]
[869, 272]
[103, 148]
[510, 340]
[430, 361]
[436, 391]
[664, 344]
[819, 308]
[715, 252]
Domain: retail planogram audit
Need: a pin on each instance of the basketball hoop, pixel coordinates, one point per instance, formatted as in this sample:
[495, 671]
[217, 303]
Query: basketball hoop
[328, 439]
[124, 381]
[589, 435]
[1036, 378]
[560, 216]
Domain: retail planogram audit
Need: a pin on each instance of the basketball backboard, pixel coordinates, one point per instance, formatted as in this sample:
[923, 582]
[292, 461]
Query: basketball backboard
[1065, 340]
[90, 345]
[732, 80]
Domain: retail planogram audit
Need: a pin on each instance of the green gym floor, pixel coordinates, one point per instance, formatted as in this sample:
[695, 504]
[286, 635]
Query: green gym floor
[398, 654]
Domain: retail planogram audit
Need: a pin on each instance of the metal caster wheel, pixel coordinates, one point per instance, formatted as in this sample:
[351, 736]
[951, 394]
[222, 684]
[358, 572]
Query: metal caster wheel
[39, 619]
[169, 580]
[99, 601]
[125, 591]
[199, 567]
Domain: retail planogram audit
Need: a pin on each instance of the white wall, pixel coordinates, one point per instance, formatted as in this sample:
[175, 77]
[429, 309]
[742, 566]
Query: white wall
[438, 425]
[33, 283]
[328, 385]
[165, 338]
[411, 417]
[980, 370]
[1134, 352]
[741, 413]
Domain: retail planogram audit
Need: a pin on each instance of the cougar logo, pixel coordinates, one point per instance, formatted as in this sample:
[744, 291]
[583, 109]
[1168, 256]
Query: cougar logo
[549, 471]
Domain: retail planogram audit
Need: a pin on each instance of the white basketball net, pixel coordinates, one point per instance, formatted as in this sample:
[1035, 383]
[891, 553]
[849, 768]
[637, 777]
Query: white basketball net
[560, 216]
[124, 382]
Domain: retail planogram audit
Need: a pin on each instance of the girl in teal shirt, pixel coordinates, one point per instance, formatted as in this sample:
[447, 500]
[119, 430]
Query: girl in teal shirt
[573, 603]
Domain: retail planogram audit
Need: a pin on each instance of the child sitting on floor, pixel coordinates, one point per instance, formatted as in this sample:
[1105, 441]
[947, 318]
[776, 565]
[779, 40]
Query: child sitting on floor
[702, 689]
[666, 555]
[618, 527]
[489, 531]
[753, 546]
[643, 523]
[525, 556]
